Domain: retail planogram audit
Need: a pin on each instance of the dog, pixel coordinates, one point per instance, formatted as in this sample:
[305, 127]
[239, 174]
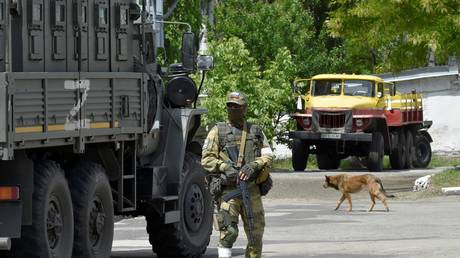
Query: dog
[351, 184]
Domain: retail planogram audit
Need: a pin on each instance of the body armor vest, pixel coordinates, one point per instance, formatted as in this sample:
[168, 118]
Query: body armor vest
[230, 136]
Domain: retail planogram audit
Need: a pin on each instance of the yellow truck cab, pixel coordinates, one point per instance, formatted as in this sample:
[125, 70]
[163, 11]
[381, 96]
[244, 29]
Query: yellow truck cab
[341, 115]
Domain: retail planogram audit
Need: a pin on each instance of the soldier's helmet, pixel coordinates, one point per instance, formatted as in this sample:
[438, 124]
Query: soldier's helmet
[238, 98]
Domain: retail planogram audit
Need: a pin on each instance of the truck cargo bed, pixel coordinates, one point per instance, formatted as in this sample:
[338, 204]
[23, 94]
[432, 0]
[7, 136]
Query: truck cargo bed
[56, 109]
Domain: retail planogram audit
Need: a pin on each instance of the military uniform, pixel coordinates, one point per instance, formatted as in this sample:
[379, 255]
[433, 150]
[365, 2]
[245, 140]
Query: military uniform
[259, 155]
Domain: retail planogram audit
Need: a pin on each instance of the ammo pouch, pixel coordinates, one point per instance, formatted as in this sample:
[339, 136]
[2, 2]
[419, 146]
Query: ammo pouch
[264, 181]
[214, 185]
[223, 220]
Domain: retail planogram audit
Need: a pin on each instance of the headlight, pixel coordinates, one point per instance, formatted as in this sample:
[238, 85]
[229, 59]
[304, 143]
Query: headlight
[359, 122]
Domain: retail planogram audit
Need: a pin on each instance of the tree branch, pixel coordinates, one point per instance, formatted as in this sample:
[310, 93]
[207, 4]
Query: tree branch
[171, 9]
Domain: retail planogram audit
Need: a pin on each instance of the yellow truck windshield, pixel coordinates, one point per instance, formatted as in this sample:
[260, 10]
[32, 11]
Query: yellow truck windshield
[350, 87]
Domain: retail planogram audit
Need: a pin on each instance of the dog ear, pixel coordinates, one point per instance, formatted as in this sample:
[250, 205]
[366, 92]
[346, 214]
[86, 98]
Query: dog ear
[327, 178]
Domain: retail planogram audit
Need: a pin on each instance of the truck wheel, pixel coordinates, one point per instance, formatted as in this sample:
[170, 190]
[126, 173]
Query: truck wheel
[299, 155]
[190, 236]
[410, 150]
[376, 152]
[398, 154]
[422, 156]
[327, 161]
[93, 210]
[51, 232]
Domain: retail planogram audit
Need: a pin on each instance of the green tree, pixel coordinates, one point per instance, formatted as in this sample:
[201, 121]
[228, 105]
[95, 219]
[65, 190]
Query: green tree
[259, 48]
[236, 70]
[266, 27]
[179, 11]
[397, 34]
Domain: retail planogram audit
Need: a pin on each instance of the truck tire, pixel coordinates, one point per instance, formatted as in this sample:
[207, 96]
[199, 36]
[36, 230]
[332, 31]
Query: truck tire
[410, 150]
[93, 210]
[299, 155]
[398, 154]
[51, 232]
[190, 236]
[422, 155]
[376, 153]
[327, 161]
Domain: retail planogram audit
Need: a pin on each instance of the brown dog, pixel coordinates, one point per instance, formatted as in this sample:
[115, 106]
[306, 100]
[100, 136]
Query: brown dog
[352, 184]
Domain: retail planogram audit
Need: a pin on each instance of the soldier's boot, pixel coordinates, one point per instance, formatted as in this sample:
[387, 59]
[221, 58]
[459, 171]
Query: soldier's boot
[225, 252]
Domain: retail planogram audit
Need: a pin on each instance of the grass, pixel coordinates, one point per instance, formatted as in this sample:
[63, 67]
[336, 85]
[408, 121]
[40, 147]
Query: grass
[444, 161]
[286, 164]
[436, 161]
[447, 178]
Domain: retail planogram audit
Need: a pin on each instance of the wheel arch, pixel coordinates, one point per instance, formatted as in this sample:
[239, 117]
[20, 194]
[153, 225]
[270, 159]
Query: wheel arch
[179, 127]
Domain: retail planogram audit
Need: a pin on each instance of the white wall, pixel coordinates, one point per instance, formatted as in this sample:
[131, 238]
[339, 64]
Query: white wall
[441, 104]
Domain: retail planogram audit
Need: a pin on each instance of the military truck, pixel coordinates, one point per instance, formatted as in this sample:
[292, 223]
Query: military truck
[92, 127]
[341, 115]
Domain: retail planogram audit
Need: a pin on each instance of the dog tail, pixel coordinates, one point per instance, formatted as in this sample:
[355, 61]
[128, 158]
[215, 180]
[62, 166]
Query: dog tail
[383, 189]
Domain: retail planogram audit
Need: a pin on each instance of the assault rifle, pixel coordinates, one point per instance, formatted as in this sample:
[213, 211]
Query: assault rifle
[241, 192]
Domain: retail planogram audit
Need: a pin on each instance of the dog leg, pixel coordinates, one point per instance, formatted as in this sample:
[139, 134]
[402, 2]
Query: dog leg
[382, 198]
[340, 201]
[348, 196]
[373, 202]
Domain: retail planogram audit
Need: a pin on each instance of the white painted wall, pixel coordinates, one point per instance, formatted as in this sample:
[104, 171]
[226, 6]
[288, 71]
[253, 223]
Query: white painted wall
[441, 104]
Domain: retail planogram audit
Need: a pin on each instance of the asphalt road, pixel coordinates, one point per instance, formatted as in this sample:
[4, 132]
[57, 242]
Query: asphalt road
[301, 222]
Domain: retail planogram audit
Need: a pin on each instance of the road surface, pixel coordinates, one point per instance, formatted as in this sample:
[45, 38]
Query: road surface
[301, 222]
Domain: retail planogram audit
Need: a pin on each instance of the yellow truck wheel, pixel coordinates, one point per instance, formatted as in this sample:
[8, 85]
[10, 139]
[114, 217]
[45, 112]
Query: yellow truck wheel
[422, 156]
[327, 161]
[397, 156]
[299, 154]
[409, 149]
[376, 152]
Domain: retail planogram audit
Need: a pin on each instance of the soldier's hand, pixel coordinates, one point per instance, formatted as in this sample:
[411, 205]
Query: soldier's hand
[243, 176]
[247, 172]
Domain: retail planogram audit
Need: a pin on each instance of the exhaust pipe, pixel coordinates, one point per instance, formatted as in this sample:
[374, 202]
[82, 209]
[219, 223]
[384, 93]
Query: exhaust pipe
[5, 243]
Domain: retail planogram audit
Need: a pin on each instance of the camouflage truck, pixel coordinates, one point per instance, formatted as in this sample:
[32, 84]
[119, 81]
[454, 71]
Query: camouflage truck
[92, 127]
[342, 115]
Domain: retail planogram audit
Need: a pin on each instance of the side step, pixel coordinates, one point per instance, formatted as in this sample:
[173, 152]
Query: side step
[168, 208]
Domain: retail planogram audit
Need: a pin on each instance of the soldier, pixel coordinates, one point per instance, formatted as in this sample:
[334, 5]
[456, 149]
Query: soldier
[257, 157]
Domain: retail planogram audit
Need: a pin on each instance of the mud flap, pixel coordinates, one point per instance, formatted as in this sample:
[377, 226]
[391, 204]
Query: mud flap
[11, 221]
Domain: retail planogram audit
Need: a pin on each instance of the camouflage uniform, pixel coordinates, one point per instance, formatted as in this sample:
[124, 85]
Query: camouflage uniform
[258, 153]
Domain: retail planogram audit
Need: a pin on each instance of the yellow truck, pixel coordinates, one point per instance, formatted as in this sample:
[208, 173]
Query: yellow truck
[342, 115]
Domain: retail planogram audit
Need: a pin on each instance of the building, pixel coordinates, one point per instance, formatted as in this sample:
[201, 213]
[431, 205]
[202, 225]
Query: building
[440, 86]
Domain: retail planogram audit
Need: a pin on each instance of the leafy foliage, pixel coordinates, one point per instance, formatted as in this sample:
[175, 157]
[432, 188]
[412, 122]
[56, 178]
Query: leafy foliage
[186, 11]
[268, 91]
[259, 48]
[267, 27]
[397, 34]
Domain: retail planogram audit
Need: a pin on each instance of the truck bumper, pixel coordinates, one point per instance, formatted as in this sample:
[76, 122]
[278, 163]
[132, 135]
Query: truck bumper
[10, 219]
[353, 137]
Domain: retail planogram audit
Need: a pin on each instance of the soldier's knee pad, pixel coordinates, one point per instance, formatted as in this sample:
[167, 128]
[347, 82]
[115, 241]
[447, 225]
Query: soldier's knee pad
[228, 227]
[231, 234]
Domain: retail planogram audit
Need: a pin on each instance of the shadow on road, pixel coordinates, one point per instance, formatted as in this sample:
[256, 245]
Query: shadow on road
[210, 252]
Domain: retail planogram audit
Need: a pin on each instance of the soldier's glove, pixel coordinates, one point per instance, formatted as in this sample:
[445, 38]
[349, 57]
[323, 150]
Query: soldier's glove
[250, 170]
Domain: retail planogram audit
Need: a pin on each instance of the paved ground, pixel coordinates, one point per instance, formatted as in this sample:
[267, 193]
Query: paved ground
[301, 223]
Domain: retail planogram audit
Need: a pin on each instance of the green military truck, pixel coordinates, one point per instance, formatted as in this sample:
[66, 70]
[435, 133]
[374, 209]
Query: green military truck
[92, 127]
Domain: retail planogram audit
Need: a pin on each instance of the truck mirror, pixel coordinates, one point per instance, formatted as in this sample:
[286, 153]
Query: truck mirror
[188, 51]
[205, 62]
[301, 86]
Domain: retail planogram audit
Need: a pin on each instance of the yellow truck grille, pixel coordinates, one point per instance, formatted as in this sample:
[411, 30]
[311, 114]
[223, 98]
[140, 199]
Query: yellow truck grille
[332, 120]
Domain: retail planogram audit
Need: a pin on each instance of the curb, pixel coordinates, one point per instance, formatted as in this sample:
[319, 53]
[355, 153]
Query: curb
[451, 190]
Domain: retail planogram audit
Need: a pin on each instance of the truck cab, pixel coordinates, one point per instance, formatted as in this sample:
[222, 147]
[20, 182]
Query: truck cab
[341, 115]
